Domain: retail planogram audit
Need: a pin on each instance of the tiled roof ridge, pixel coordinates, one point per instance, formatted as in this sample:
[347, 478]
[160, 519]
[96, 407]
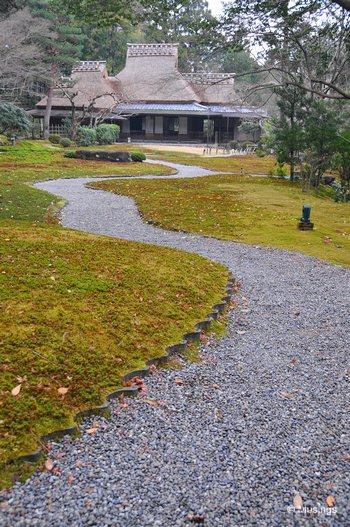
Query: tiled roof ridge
[141, 50]
[205, 77]
[89, 65]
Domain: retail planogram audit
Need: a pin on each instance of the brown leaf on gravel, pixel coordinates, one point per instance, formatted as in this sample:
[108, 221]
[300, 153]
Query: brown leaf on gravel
[56, 471]
[195, 518]
[15, 391]
[4, 504]
[48, 464]
[215, 386]
[122, 402]
[151, 402]
[219, 414]
[79, 463]
[287, 394]
[330, 501]
[346, 457]
[298, 501]
[294, 361]
[297, 313]
[92, 431]
[152, 368]
[178, 380]
[70, 479]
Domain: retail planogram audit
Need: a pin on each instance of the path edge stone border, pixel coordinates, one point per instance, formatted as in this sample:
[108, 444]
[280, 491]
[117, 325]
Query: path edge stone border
[104, 409]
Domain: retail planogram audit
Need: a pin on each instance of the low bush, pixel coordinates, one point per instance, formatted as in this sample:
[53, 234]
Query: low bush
[54, 139]
[280, 170]
[65, 142]
[71, 154]
[106, 134]
[260, 152]
[234, 145]
[137, 157]
[86, 136]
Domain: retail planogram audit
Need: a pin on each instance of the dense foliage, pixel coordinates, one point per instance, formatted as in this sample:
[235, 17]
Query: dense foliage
[106, 134]
[13, 120]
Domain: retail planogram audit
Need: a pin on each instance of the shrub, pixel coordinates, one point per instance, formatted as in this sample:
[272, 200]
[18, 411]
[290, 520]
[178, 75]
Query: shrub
[260, 152]
[71, 153]
[234, 145]
[54, 139]
[13, 120]
[137, 157]
[279, 170]
[3, 140]
[86, 136]
[106, 134]
[65, 142]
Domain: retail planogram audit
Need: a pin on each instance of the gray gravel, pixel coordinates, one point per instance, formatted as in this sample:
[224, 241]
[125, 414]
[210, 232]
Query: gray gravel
[262, 417]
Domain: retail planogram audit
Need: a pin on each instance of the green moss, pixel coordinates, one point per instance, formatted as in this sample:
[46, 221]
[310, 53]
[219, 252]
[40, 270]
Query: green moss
[30, 161]
[79, 311]
[253, 210]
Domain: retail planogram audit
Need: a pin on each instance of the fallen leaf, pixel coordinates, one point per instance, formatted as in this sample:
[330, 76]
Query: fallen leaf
[294, 361]
[91, 431]
[151, 402]
[195, 518]
[296, 313]
[15, 391]
[330, 501]
[346, 457]
[215, 386]
[21, 379]
[298, 501]
[286, 394]
[152, 368]
[178, 380]
[62, 390]
[48, 464]
[56, 471]
[78, 463]
[4, 504]
[70, 479]
[122, 402]
[219, 414]
[240, 332]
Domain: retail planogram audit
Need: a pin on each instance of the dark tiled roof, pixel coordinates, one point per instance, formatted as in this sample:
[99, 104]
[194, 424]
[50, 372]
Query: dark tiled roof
[161, 107]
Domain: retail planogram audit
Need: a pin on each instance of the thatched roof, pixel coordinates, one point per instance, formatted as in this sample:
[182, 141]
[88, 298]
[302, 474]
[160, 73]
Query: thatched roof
[150, 82]
[89, 81]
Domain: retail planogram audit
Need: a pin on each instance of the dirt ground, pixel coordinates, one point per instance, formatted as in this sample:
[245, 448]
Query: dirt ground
[194, 150]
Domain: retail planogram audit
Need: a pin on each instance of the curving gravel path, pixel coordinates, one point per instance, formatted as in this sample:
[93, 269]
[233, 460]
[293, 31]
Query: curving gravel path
[262, 418]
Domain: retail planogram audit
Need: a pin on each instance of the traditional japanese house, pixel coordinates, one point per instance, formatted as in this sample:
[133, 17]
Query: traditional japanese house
[151, 99]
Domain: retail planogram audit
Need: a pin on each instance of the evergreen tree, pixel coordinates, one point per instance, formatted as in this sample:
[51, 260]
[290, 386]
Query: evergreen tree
[62, 47]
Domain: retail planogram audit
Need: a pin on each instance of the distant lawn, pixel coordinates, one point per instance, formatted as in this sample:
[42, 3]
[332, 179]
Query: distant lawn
[248, 164]
[252, 210]
[36, 161]
[78, 311]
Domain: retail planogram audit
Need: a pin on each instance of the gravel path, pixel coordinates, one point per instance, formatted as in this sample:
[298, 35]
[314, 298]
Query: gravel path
[262, 418]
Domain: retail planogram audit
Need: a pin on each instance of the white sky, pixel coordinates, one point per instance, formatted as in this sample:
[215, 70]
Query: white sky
[215, 6]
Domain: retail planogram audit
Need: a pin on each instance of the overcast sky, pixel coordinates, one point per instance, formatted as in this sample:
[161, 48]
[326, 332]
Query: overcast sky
[215, 6]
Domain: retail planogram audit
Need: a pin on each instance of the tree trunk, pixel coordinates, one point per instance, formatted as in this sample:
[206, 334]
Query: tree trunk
[74, 124]
[292, 166]
[47, 114]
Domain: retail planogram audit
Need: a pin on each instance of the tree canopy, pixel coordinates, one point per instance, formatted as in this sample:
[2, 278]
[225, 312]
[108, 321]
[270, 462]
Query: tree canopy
[305, 43]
